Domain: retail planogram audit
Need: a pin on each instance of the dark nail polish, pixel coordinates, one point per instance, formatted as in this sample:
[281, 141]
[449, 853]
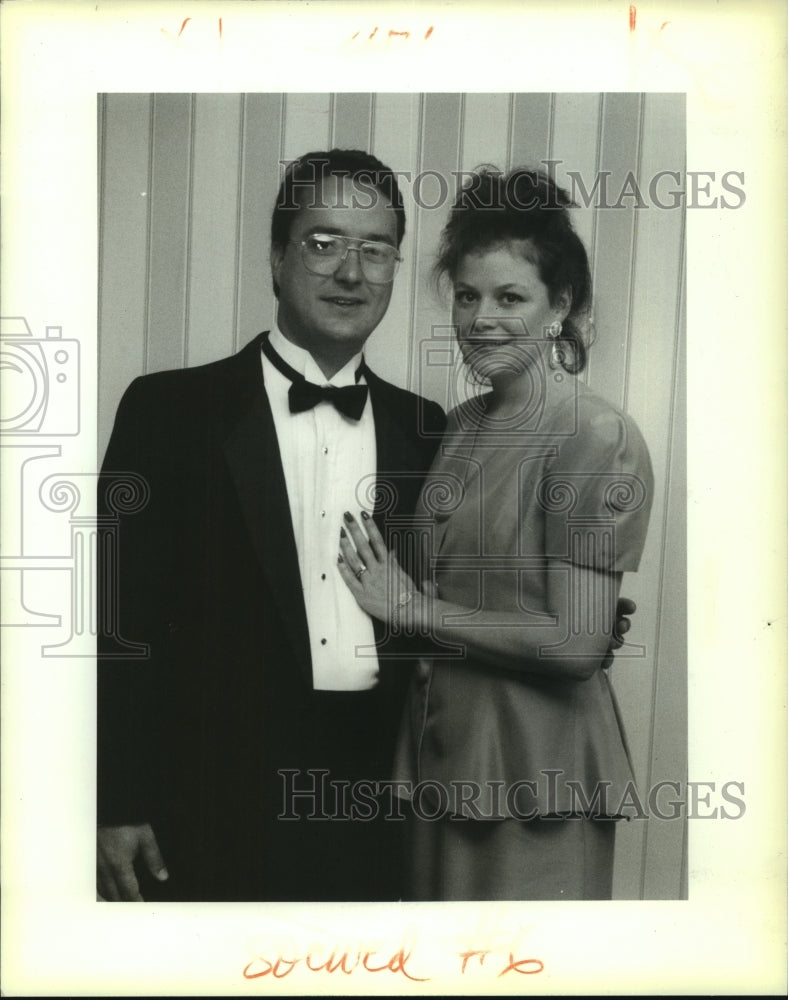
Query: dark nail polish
[340, 559]
[342, 533]
[348, 516]
[365, 515]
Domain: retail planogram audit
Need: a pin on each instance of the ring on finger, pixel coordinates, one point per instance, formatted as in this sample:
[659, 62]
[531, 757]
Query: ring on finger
[360, 572]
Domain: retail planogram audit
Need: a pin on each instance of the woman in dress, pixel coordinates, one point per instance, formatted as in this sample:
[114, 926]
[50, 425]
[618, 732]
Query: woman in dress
[538, 501]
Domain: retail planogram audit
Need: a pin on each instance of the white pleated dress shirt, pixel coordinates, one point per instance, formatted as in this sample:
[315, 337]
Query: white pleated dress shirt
[330, 464]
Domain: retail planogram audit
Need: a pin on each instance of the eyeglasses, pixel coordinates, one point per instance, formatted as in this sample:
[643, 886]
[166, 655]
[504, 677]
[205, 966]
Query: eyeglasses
[323, 253]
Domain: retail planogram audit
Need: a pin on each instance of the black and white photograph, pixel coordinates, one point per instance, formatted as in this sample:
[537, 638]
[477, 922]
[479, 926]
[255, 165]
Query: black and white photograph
[383, 406]
[253, 711]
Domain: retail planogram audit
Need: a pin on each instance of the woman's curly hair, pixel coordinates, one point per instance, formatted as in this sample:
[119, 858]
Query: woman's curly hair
[493, 208]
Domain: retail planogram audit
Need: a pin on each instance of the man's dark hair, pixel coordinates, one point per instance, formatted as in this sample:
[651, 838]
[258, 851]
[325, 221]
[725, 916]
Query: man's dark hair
[301, 187]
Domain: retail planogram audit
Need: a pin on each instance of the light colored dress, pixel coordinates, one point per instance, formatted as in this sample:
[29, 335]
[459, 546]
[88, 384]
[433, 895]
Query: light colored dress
[570, 482]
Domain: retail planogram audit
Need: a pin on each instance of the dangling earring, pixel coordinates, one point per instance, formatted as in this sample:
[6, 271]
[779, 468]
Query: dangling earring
[557, 354]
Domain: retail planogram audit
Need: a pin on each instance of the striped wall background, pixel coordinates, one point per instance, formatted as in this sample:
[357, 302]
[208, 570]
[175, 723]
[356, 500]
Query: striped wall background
[186, 185]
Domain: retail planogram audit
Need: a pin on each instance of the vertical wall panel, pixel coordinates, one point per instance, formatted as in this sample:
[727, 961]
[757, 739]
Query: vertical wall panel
[666, 123]
[614, 243]
[169, 231]
[684, 877]
[485, 130]
[396, 141]
[262, 130]
[214, 235]
[653, 342]
[665, 839]
[613, 260]
[439, 153]
[575, 143]
[307, 124]
[351, 127]
[531, 130]
[123, 251]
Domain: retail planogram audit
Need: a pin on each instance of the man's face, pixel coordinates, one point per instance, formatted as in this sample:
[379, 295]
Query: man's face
[331, 316]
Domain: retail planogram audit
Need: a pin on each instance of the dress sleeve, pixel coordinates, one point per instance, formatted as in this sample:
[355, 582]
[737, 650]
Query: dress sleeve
[597, 492]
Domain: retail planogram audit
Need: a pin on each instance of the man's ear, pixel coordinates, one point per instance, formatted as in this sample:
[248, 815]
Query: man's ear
[277, 256]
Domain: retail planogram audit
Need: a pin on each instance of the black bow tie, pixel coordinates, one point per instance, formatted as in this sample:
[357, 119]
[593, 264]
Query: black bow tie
[348, 399]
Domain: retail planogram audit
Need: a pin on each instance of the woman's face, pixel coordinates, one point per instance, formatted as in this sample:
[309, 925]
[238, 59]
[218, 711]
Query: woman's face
[501, 310]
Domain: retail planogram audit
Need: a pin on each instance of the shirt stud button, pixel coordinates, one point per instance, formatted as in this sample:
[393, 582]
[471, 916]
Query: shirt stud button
[323, 642]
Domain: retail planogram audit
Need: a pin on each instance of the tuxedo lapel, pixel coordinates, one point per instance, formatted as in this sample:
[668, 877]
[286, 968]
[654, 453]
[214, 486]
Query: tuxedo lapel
[394, 451]
[404, 453]
[252, 453]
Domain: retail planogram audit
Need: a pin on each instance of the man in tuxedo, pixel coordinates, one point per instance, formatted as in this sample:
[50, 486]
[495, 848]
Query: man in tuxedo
[262, 687]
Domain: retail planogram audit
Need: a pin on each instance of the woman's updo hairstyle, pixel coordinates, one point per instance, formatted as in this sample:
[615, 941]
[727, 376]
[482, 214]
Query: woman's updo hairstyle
[493, 208]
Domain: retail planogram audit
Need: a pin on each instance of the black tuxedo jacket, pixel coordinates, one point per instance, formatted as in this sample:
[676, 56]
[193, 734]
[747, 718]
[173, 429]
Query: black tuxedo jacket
[192, 735]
